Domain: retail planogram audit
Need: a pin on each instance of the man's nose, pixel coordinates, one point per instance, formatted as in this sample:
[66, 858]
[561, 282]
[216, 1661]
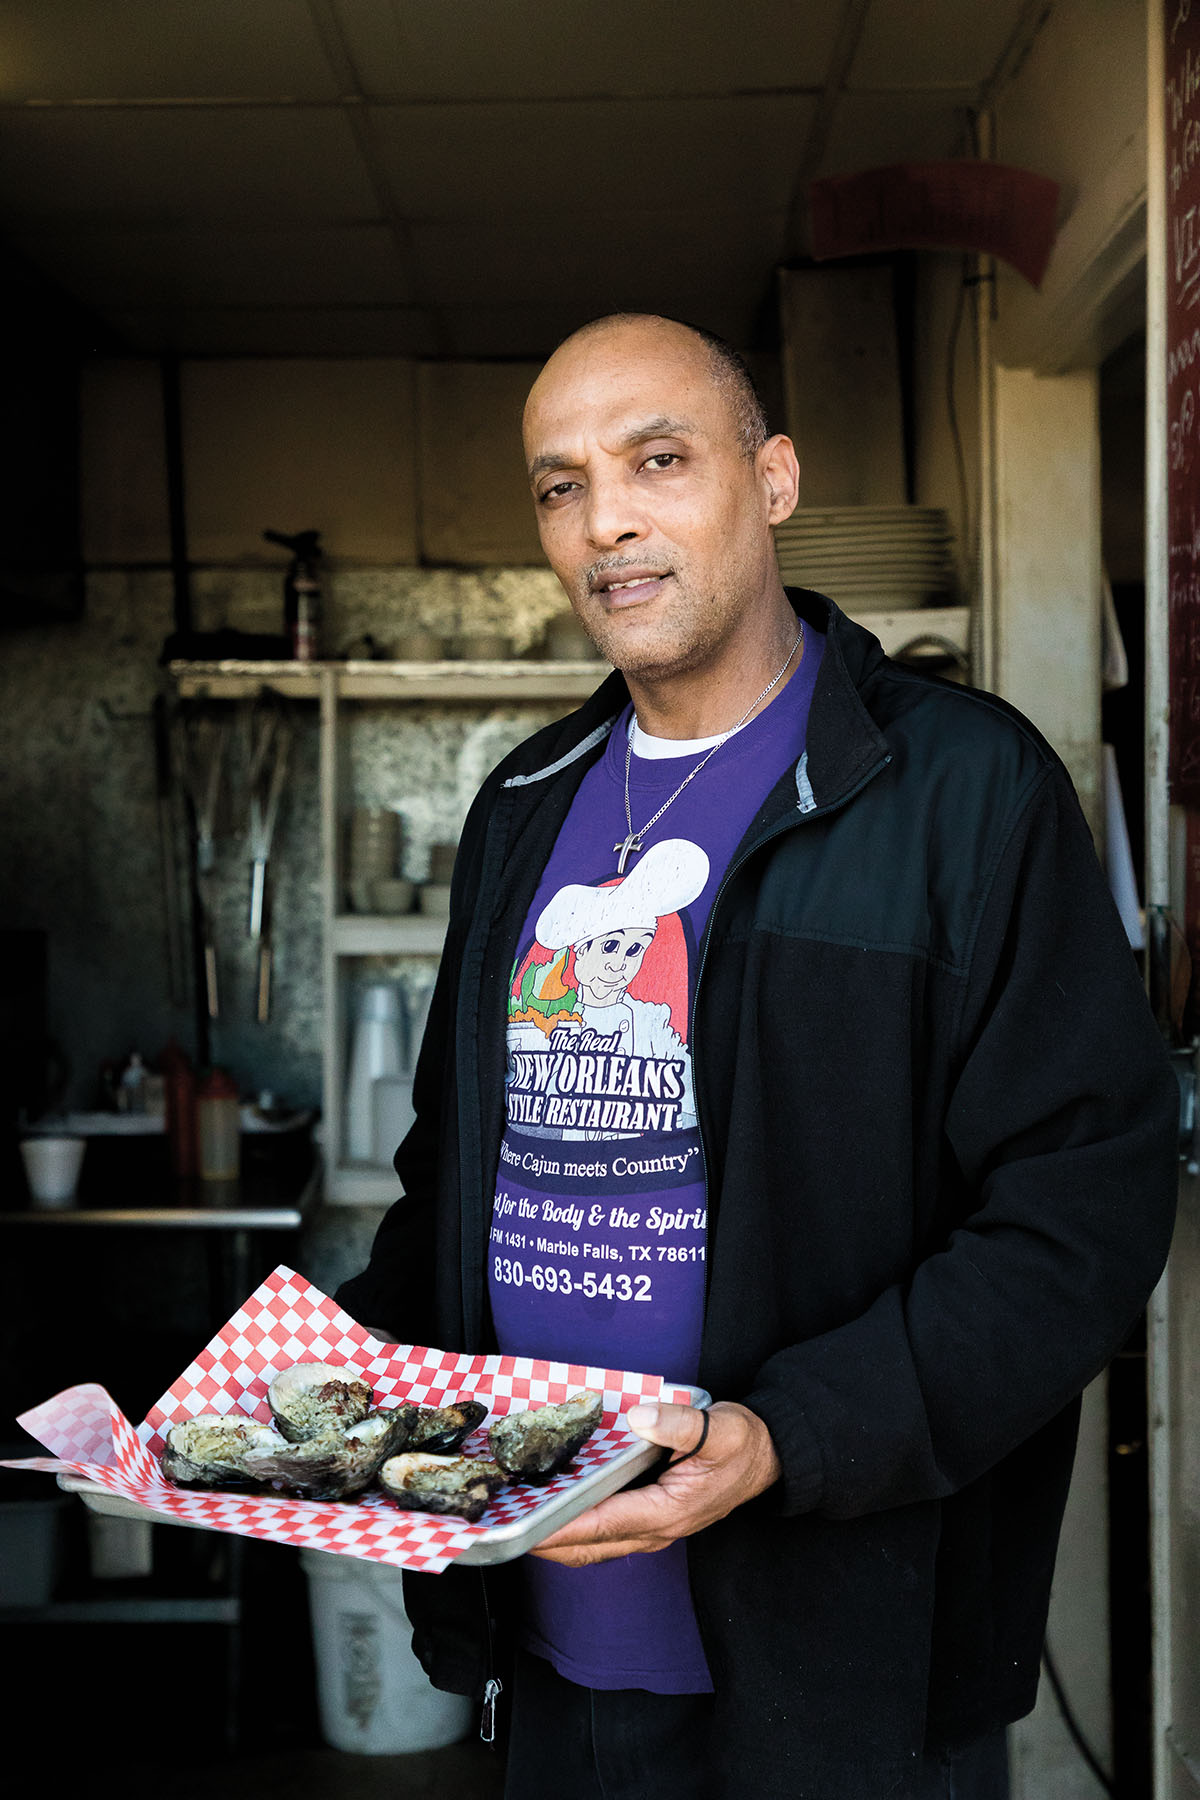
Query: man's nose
[613, 515]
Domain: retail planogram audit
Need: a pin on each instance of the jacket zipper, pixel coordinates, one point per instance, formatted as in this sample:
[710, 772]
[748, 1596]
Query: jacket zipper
[471, 1143]
[788, 823]
[493, 1687]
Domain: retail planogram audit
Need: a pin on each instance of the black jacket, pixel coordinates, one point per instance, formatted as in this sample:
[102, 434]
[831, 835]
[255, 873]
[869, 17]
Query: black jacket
[940, 1137]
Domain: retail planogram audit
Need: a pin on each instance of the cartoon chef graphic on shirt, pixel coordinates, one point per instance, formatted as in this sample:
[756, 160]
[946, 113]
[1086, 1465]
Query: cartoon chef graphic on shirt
[602, 995]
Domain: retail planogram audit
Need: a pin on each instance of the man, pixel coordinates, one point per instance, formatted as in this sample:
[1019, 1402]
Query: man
[929, 1186]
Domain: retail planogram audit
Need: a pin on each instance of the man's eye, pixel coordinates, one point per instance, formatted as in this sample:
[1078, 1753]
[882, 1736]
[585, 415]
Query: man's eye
[556, 492]
[662, 459]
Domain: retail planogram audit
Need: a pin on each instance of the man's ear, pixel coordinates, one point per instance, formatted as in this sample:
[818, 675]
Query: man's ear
[779, 471]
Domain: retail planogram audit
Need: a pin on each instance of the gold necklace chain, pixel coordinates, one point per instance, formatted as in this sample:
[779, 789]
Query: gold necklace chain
[633, 842]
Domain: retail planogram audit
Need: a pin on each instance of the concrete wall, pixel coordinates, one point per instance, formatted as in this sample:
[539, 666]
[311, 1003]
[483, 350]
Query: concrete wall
[91, 855]
[946, 404]
[1073, 110]
[395, 463]
[1076, 111]
[288, 443]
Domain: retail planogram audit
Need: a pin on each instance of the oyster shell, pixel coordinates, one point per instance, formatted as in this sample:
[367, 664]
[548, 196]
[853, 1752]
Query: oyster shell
[423, 1482]
[441, 1429]
[534, 1445]
[309, 1399]
[209, 1451]
[335, 1463]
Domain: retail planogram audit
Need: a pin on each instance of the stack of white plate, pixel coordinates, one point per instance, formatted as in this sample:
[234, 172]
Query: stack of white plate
[869, 558]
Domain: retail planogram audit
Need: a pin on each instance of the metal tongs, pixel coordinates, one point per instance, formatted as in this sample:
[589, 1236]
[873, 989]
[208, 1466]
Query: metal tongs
[202, 742]
[270, 747]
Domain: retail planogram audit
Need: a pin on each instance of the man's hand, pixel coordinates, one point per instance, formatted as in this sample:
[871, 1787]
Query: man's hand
[737, 1461]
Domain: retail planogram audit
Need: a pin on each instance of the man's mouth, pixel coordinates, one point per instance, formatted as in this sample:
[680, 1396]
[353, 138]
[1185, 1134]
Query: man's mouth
[627, 587]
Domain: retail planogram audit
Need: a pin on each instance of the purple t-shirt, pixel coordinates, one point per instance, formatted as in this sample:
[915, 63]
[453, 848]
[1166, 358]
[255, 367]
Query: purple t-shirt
[598, 1236]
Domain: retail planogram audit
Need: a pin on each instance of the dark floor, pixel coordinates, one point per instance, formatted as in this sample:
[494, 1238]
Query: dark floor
[465, 1771]
[196, 1708]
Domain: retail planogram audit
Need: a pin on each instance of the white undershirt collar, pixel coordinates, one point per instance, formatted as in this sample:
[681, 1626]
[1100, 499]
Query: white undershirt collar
[658, 749]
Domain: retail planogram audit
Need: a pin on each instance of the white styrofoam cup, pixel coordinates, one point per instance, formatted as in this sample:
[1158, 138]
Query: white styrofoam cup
[52, 1166]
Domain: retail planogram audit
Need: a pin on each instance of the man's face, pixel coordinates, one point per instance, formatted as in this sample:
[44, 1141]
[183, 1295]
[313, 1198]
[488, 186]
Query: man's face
[650, 513]
[605, 965]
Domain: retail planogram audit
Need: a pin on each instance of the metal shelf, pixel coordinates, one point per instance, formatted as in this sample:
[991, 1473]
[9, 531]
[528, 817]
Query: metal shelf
[152, 1609]
[370, 934]
[359, 1184]
[493, 681]
[438, 681]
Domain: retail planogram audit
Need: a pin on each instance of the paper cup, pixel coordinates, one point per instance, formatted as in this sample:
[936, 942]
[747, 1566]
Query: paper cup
[52, 1167]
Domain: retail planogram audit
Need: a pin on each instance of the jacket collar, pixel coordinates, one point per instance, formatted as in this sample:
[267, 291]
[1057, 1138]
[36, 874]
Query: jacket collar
[844, 742]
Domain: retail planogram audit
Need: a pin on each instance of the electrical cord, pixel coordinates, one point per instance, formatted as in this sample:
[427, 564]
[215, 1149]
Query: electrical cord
[960, 460]
[1081, 1744]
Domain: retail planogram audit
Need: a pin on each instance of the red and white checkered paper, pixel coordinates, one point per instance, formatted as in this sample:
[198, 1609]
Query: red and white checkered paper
[286, 1321]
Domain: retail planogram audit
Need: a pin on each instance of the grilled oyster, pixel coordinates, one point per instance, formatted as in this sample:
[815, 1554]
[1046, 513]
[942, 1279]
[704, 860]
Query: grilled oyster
[441, 1429]
[335, 1463]
[441, 1484]
[309, 1399]
[534, 1445]
[210, 1450]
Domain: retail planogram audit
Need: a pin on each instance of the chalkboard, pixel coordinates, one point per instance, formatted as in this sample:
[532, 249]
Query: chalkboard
[1181, 76]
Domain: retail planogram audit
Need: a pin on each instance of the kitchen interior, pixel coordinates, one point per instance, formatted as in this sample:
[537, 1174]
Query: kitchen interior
[277, 279]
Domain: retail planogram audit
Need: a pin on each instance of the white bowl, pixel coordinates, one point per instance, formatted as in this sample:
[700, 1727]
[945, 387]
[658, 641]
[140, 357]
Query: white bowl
[435, 900]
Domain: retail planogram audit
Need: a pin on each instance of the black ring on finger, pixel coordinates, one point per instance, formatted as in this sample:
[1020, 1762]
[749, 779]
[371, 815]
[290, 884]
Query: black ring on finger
[698, 1445]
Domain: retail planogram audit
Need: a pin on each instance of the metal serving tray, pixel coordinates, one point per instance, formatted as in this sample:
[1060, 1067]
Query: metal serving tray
[498, 1543]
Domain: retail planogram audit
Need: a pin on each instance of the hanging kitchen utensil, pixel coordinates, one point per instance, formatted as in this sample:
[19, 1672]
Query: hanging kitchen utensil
[270, 747]
[167, 845]
[202, 743]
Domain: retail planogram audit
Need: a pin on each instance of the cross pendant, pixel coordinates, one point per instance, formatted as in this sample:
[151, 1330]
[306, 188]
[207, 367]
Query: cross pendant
[631, 847]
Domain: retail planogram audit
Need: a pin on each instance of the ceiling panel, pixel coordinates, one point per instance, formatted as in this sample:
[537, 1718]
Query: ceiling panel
[207, 179]
[924, 43]
[139, 49]
[274, 331]
[531, 331]
[594, 264]
[871, 130]
[182, 166]
[476, 162]
[322, 265]
[478, 49]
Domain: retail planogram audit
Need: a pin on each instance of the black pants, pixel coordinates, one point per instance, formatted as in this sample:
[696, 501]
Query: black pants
[629, 1745]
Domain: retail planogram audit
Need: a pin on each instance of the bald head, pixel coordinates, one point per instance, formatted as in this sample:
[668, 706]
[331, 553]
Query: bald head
[655, 489]
[677, 340]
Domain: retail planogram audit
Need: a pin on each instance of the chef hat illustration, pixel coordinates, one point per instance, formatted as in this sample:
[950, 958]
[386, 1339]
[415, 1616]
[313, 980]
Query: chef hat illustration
[670, 875]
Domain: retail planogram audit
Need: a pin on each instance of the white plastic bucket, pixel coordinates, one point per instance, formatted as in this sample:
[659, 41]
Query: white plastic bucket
[30, 1545]
[373, 1694]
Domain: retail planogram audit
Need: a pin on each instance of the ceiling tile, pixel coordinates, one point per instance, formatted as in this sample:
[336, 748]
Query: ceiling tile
[922, 43]
[477, 162]
[182, 166]
[532, 331]
[477, 49]
[529, 330]
[274, 331]
[872, 130]
[322, 265]
[594, 264]
[135, 49]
